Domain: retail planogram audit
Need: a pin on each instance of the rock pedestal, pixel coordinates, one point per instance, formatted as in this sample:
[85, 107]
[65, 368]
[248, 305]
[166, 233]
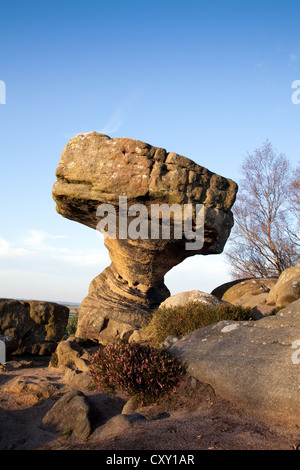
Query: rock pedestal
[94, 170]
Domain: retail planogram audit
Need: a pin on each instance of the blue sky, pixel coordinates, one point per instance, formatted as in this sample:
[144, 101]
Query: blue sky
[208, 80]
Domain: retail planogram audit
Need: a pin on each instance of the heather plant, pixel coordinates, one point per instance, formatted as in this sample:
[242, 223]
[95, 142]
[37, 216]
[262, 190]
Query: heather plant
[145, 372]
[183, 319]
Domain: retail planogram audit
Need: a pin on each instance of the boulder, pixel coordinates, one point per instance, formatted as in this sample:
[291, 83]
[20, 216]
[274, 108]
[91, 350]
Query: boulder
[77, 379]
[191, 296]
[220, 290]
[257, 303]
[254, 364]
[71, 354]
[234, 292]
[71, 413]
[94, 170]
[36, 326]
[130, 406]
[250, 300]
[287, 288]
[117, 425]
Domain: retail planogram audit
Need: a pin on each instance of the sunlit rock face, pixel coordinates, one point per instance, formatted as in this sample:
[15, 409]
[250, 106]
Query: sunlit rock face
[95, 170]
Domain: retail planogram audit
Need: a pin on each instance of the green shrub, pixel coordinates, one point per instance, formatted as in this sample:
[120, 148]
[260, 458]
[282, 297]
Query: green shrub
[145, 372]
[72, 324]
[181, 320]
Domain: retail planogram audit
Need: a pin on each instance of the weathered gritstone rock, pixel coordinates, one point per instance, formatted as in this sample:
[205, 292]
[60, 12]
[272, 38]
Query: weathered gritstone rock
[70, 353]
[192, 296]
[71, 413]
[287, 288]
[35, 326]
[35, 388]
[95, 169]
[117, 425]
[254, 364]
[234, 292]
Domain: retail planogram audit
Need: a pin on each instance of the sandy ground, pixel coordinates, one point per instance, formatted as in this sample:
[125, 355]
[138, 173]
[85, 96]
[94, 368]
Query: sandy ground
[202, 421]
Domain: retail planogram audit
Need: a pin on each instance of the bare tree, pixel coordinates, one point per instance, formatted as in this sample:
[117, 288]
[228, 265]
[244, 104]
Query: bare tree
[295, 195]
[264, 238]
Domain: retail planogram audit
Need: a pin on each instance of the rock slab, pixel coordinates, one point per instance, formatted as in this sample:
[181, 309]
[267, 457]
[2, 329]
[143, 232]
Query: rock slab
[35, 388]
[35, 326]
[254, 364]
[95, 169]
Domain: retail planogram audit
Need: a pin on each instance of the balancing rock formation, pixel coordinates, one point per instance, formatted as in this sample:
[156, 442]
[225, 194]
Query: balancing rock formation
[95, 169]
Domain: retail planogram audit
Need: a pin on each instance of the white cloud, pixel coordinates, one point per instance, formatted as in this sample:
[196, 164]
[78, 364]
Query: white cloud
[9, 249]
[36, 239]
[87, 259]
[39, 245]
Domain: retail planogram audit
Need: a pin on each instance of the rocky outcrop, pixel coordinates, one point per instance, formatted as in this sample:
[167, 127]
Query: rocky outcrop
[287, 288]
[253, 364]
[94, 170]
[36, 327]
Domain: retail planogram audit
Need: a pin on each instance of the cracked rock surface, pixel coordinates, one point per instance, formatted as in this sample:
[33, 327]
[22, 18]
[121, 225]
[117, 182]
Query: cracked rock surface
[255, 364]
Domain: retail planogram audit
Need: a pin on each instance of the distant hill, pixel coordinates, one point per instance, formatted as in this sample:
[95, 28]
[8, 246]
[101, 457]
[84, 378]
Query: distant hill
[73, 304]
[67, 304]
